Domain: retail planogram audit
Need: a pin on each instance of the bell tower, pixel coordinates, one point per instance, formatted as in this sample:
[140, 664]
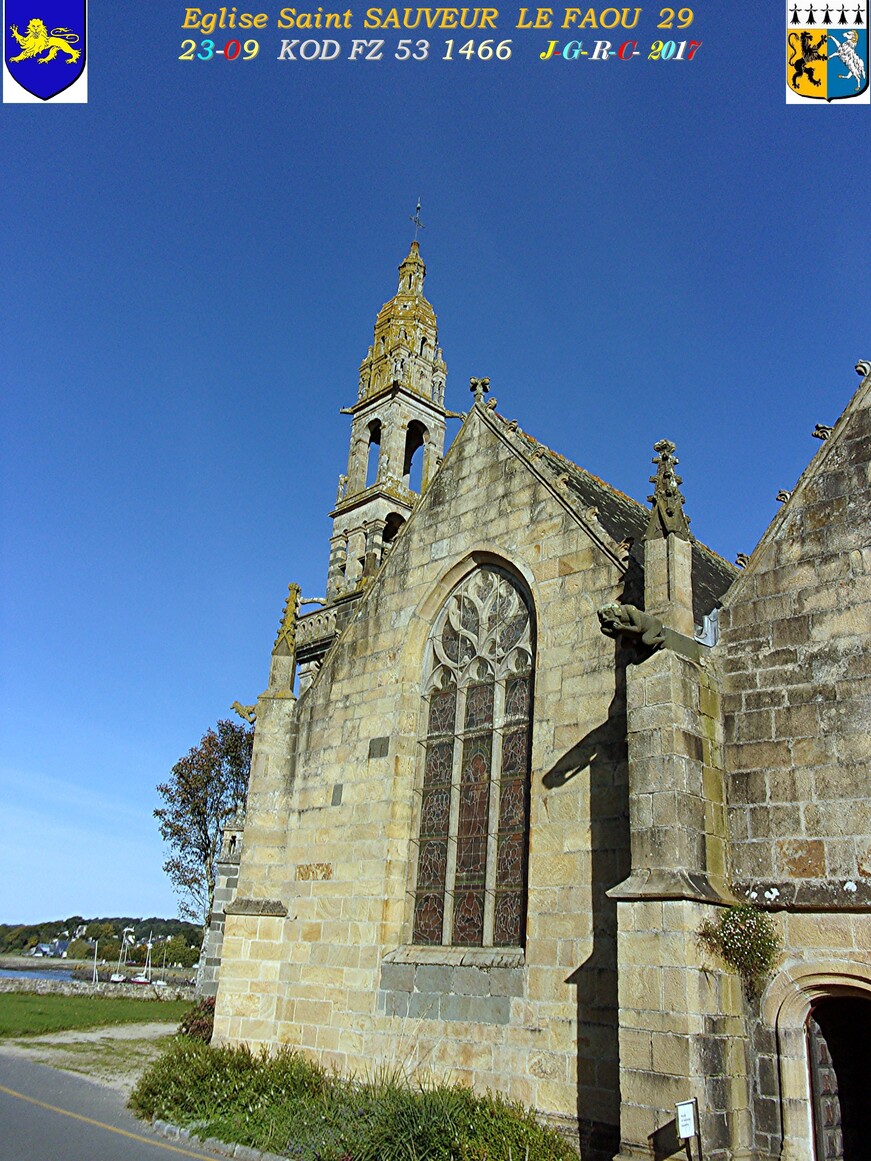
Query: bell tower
[397, 433]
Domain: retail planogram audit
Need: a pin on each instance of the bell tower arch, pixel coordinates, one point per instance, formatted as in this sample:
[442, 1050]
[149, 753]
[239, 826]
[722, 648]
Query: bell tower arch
[397, 432]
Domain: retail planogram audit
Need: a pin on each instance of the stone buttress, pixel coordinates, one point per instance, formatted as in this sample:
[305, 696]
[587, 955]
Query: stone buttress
[682, 1032]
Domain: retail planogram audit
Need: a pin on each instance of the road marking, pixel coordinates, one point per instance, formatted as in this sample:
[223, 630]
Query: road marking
[100, 1125]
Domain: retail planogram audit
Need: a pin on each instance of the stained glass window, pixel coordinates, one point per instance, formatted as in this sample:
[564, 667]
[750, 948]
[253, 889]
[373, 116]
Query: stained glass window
[474, 814]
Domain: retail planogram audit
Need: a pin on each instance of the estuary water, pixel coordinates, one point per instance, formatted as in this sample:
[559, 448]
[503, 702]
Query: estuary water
[37, 974]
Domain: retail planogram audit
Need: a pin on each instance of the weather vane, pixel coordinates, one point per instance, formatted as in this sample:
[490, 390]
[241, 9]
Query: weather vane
[418, 224]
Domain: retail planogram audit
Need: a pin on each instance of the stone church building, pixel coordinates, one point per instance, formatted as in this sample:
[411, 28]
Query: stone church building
[535, 740]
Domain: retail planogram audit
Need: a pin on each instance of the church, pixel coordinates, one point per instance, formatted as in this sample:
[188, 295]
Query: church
[530, 761]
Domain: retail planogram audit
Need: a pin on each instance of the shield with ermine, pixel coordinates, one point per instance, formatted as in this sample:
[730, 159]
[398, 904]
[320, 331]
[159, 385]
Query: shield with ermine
[827, 51]
[44, 44]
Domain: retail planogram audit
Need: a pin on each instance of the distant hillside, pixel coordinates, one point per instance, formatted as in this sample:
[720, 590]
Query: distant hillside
[21, 937]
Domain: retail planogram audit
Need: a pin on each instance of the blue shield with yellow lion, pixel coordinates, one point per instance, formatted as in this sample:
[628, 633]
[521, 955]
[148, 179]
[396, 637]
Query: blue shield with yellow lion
[827, 50]
[44, 44]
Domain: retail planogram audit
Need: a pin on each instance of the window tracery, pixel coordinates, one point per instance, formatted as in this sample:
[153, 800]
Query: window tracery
[474, 819]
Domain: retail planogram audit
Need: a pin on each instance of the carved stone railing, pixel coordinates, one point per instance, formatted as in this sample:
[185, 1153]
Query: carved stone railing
[317, 627]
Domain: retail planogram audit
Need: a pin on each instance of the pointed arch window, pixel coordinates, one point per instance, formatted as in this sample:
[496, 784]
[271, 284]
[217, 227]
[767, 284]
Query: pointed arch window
[474, 822]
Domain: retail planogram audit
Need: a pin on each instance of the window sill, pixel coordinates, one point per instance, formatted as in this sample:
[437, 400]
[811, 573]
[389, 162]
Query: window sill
[481, 957]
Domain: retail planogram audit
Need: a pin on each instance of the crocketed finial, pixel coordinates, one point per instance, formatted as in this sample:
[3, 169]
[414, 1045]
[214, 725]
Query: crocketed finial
[667, 514]
[285, 642]
[479, 388]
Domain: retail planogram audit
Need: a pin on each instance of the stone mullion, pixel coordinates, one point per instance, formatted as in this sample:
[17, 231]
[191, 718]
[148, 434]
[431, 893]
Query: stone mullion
[493, 811]
[357, 459]
[430, 455]
[453, 824]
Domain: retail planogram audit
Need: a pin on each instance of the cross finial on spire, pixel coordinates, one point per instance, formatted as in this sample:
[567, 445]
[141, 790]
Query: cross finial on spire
[418, 224]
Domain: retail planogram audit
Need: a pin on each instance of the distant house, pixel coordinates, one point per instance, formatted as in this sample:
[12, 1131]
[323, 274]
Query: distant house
[57, 949]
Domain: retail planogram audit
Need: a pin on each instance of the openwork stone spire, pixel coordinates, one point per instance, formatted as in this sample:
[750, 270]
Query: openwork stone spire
[667, 514]
[405, 350]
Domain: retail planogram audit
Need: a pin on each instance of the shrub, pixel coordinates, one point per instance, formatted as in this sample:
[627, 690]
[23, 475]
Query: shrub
[199, 1022]
[746, 938]
[287, 1104]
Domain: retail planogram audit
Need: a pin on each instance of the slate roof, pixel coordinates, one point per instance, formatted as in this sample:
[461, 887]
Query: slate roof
[624, 518]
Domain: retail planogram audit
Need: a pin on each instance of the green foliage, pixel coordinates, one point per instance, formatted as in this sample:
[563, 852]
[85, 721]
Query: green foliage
[199, 1022]
[102, 929]
[108, 950]
[181, 951]
[747, 939]
[286, 1104]
[18, 937]
[205, 789]
[28, 1014]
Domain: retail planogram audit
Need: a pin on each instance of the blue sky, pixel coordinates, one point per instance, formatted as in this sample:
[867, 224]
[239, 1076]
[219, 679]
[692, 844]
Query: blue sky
[192, 263]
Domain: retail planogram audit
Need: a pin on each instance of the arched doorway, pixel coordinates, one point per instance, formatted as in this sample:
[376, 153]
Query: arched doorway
[839, 1057]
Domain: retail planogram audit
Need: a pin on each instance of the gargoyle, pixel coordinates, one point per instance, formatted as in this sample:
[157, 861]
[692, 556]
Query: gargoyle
[246, 712]
[628, 621]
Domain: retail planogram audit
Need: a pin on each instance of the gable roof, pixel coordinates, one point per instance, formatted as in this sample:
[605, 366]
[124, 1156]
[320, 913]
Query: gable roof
[852, 426]
[623, 518]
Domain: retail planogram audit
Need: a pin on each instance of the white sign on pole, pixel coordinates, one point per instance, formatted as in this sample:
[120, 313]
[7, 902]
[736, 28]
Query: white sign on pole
[687, 1119]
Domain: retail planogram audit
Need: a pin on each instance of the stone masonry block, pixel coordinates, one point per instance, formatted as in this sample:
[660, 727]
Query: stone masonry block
[464, 1008]
[802, 858]
[433, 978]
[506, 982]
[797, 722]
[397, 977]
[818, 931]
[671, 1054]
[394, 1003]
[425, 1005]
[755, 726]
[470, 981]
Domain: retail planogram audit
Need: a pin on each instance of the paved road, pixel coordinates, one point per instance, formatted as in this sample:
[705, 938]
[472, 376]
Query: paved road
[48, 1115]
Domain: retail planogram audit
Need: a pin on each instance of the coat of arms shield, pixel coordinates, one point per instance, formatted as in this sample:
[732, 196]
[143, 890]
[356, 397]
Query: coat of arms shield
[44, 44]
[827, 51]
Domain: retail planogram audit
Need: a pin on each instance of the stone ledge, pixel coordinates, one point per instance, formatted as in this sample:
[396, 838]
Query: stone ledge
[483, 957]
[655, 883]
[256, 907]
[684, 646]
[807, 895]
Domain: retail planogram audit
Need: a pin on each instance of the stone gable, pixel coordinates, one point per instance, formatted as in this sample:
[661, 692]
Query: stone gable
[797, 681]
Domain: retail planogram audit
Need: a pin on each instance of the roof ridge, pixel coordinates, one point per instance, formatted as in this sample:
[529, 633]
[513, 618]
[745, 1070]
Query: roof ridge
[642, 508]
[577, 467]
[861, 398]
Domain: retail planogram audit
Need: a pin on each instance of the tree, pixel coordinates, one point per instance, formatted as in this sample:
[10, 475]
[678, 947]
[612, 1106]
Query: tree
[205, 789]
[101, 931]
[80, 949]
[178, 951]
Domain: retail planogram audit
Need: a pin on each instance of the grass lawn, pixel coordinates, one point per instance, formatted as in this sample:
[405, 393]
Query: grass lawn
[28, 1014]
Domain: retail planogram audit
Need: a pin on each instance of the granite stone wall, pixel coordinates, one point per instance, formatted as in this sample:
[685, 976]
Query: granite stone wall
[331, 820]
